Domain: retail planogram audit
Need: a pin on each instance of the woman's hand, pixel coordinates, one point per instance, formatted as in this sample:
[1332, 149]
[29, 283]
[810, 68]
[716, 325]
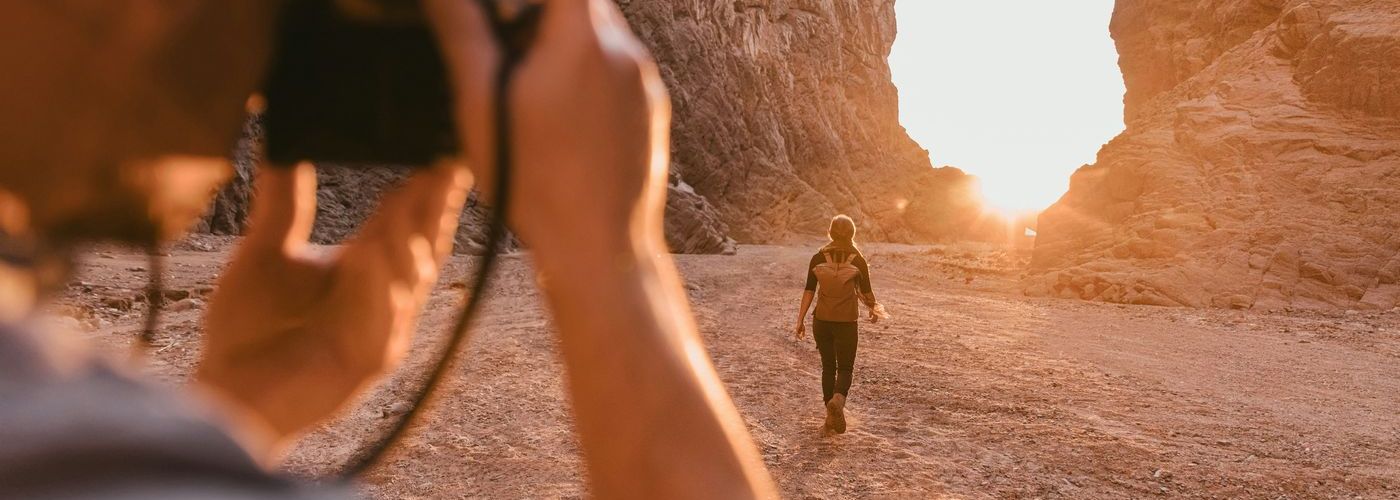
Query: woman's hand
[291, 335]
[877, 311]
[800, 331]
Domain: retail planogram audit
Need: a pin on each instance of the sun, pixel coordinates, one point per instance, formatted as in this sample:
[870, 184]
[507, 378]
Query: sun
[1020, 116]
[1014, 198]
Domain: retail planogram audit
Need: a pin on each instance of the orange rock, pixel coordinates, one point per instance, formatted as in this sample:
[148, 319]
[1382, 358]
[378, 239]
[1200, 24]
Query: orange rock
[1260, 167]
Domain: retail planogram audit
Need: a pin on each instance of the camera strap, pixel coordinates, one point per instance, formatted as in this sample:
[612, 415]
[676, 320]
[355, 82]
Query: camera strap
[155, 295]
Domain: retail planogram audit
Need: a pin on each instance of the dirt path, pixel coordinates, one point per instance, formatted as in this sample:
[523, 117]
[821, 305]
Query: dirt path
[972, 391]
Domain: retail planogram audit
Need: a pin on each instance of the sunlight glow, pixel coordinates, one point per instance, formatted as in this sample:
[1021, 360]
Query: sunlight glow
[1018, 92]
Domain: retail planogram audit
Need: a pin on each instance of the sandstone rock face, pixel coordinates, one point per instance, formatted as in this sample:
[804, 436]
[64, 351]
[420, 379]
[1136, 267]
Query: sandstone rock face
[229, 210]
[692, 225]
[1260, 167]
[1165, 43]
[784, 115]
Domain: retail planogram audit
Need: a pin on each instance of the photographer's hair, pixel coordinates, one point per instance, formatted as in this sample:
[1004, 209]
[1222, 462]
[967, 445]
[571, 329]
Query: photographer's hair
[842, 231]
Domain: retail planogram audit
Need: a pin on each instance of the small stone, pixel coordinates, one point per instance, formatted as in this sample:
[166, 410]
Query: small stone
[117, 303]
[185, 305]
[396, 409]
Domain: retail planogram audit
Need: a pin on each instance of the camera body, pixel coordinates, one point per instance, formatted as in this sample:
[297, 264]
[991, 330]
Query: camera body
[357, 82]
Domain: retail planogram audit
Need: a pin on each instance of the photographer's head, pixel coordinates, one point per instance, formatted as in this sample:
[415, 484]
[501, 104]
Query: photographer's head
[117, 115]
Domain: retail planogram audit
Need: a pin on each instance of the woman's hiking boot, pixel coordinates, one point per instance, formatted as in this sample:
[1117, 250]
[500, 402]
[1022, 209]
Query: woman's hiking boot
[836, 413]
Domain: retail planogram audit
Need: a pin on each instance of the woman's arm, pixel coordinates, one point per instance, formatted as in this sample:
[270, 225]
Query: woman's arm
[808, 294]
[869, 299]
[867, 292]
[801, 329]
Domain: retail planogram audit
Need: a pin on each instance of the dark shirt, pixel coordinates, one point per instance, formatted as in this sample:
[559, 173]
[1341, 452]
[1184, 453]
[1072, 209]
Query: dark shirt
[862, 281]
[76, 427]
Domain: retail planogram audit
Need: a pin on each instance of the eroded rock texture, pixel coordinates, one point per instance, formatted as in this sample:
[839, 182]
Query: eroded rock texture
[1260, 167]
[785, 114]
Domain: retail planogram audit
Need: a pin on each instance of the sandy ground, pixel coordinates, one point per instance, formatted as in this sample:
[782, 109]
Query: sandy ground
[971, 391]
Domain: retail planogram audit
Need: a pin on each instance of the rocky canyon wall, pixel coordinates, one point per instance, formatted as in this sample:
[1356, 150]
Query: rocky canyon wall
[1260, 167]
[784, 115]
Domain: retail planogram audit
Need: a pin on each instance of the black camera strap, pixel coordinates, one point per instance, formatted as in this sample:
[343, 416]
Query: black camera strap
[155, 295]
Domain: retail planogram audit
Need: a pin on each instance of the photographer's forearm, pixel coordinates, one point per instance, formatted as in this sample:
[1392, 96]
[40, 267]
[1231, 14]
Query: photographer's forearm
[653, 417]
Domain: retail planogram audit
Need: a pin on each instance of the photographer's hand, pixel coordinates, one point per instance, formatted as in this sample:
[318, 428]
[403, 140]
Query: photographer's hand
[290, 336]
[590, 144]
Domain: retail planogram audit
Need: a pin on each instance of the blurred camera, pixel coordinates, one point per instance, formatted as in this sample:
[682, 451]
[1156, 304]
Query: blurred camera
[357, 82]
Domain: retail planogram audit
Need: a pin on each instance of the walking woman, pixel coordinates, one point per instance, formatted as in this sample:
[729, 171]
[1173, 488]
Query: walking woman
[838, 277]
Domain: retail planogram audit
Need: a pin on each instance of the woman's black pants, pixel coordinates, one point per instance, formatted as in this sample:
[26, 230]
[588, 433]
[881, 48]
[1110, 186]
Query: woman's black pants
[837, 343]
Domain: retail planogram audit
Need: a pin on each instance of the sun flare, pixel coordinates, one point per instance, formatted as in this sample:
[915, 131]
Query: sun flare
[1012, 197]
[1016, 207]
[1018, 93]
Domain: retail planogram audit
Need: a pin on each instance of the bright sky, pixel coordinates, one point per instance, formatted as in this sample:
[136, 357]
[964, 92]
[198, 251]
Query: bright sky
[1017, 92]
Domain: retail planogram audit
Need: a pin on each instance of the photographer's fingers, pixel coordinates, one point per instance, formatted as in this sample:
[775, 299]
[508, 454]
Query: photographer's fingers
[435, 210]
[472, 56]
[284, 208]
[387, 271]
[412, 232]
